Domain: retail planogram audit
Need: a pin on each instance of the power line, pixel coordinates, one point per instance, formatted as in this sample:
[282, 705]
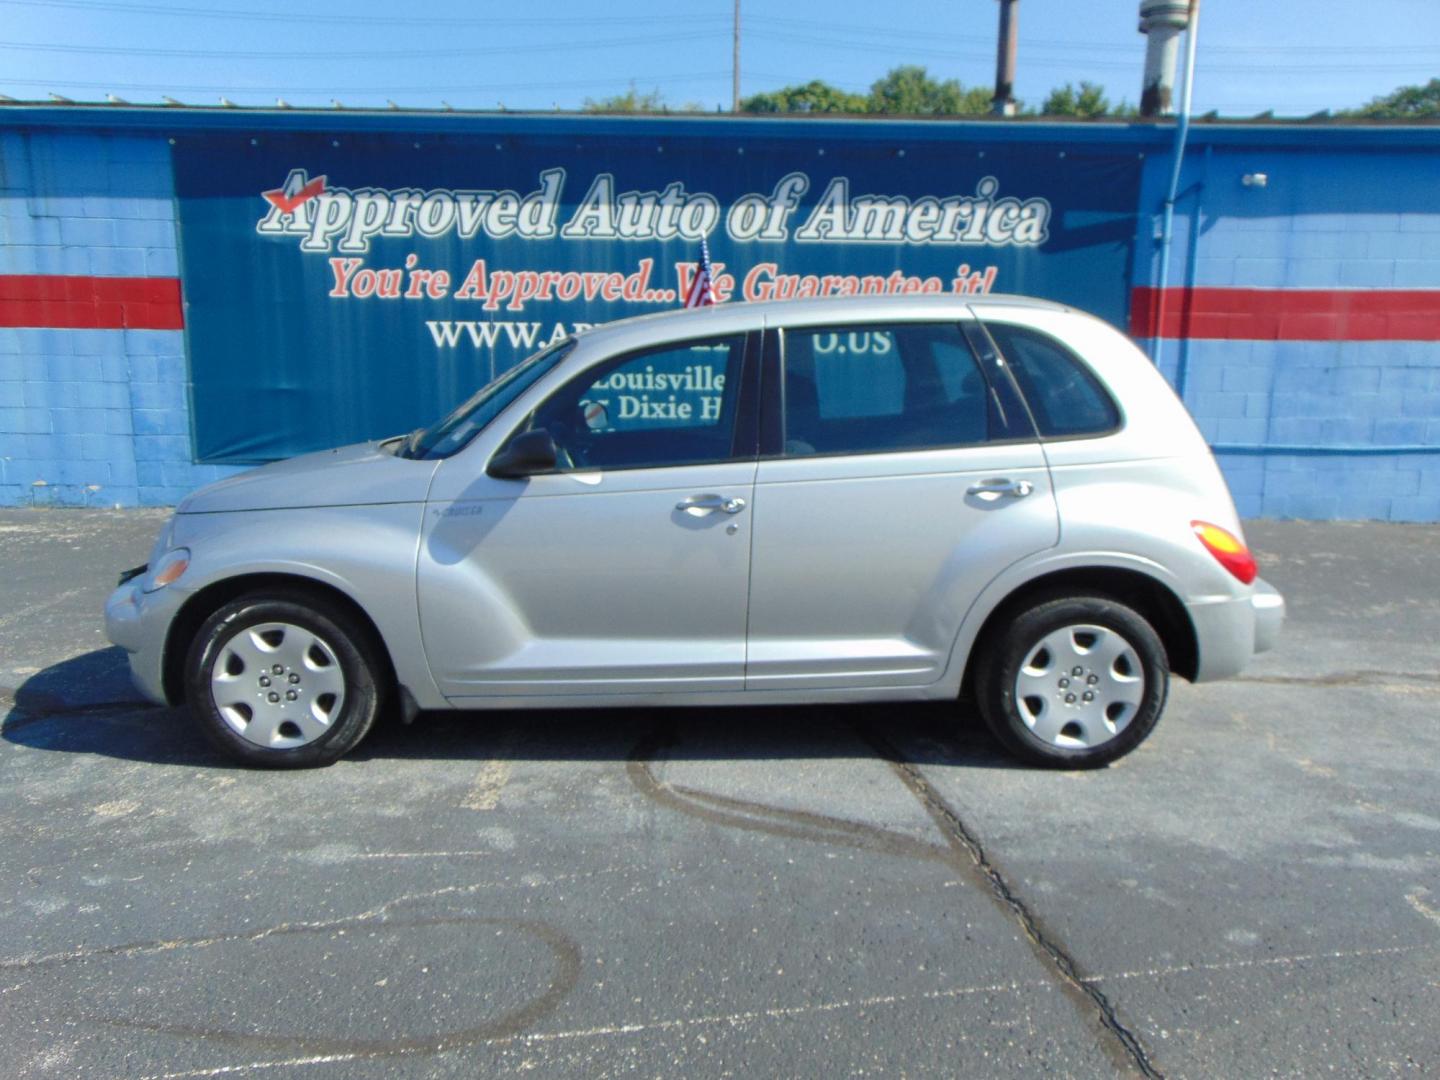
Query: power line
[815, 41]
[1085, 47]
[332, 90]
[331, 54]
[690, 17]
[348, 20]
[812, 40]
[1322, 49]
[1418, 66]
[869, 46]
[870, 32]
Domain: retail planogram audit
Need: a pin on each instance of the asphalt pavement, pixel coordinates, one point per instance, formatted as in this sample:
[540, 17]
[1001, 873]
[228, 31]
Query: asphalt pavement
[709, 893]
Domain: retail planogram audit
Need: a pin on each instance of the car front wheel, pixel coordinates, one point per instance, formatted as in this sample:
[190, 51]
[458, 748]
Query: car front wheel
[1074, 682]
[283, 682]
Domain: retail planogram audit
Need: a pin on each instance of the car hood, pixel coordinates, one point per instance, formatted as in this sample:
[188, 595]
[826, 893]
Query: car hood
[359, 475]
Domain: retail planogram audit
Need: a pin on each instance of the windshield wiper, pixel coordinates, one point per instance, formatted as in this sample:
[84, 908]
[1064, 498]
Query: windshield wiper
[404, 445]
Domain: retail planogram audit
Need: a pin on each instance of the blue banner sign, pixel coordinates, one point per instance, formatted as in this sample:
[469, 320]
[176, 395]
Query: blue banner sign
[340, 289]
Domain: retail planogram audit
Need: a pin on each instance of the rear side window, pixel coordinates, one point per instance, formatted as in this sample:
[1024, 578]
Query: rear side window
[879, 388]
[1066, 399]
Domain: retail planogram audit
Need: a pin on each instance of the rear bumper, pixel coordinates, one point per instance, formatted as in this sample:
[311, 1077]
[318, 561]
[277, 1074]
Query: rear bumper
[1269, 608]
[1230, 631]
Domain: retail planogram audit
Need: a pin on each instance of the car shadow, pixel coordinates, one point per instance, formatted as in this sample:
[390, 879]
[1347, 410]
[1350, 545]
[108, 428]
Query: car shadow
[86, 706]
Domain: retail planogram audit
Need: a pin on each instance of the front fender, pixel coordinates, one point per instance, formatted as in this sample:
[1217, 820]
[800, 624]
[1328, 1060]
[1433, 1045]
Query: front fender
[368, 553]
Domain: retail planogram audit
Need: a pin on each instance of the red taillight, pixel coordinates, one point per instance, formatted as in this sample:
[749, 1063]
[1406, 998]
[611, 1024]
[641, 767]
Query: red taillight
[1228, 550]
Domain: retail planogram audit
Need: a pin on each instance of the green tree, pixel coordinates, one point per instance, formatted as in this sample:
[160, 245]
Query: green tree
[909, 90]
[633, 101]
[1403, 103]
[1087, 101]
[816, 96]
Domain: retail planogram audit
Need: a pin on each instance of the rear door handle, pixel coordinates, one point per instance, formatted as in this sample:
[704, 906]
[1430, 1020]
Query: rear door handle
[700, 505]
[999, 486]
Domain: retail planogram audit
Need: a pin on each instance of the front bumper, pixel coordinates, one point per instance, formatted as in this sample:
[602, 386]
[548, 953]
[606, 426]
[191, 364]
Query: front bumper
[138, 622]
[1231, 631]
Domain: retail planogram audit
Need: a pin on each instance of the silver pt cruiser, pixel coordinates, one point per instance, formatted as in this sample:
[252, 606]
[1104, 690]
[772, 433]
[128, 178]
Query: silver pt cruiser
[879, 499]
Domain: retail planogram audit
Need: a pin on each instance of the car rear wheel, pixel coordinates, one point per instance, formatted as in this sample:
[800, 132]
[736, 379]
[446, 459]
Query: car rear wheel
[1074, 682]
[283, 682]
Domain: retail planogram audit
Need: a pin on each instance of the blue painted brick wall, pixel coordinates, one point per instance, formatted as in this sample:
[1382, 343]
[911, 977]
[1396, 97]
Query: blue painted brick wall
[1321, 222]
[100, 417]
[92, 417]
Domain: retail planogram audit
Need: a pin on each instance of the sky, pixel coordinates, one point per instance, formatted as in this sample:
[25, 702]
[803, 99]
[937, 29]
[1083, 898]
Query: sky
[1295, 57]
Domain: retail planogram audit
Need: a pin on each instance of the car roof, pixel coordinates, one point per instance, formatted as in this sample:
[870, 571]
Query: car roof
[736, 317]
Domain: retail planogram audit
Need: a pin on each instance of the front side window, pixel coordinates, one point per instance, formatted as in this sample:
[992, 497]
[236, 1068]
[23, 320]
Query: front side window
[673, 405]
[1065, 398]
[451, 434]
[879, 388]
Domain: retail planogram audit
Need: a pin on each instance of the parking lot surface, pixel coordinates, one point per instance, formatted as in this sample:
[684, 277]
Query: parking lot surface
[804, 892]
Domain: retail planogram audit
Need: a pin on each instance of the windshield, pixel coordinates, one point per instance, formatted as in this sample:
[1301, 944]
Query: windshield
[451, 434]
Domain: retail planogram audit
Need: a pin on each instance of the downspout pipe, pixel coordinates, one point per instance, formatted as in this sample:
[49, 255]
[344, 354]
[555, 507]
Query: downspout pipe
[1167, 221]
[1191, 260]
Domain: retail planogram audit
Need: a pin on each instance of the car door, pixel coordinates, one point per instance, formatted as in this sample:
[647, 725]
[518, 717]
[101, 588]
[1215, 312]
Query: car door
[897, 478]
[626, 569]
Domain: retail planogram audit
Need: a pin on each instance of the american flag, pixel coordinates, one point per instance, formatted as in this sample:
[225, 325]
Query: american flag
[702, 285]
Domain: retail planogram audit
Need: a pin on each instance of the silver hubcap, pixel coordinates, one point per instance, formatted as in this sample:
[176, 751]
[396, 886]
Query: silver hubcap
[277, 685]
[1080, 686]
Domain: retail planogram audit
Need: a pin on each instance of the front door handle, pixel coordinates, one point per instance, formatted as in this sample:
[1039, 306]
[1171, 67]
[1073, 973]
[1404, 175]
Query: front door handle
[700, 505]
[1015, 488]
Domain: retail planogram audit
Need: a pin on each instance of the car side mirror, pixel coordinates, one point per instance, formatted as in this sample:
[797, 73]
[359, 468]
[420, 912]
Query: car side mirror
[525, 455]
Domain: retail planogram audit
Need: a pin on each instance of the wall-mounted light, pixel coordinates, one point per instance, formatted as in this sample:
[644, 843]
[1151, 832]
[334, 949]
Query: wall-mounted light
[1255, 179]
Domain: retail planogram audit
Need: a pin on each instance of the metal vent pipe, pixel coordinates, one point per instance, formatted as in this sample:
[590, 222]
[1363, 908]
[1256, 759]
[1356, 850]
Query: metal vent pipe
[1003, 103]
[1161, 21]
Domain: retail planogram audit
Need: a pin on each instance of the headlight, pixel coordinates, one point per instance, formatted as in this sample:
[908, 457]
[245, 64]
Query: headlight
[167, 569]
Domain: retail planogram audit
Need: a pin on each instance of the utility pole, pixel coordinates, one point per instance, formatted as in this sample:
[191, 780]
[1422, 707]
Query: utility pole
[735, 64]
[1003, 103]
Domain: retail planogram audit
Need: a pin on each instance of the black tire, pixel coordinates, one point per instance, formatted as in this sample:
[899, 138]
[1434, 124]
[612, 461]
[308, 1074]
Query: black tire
[349, 645]
[1014, 722]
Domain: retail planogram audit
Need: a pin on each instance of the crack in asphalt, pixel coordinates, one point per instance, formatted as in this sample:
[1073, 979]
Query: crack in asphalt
[1367, 677]
[961, 850]
[773, 820]
[1060, 962]
[515, 1021]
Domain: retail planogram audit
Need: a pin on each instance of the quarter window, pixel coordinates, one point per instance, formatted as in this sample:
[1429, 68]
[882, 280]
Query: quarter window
[872, 389]
[1065, 398]
[674, 405]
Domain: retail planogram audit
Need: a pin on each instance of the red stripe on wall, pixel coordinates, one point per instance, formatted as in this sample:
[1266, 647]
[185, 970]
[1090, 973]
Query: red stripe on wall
[1288, 314]
[74, 302]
